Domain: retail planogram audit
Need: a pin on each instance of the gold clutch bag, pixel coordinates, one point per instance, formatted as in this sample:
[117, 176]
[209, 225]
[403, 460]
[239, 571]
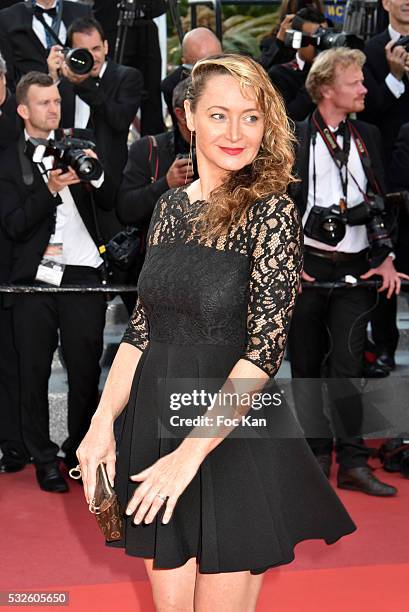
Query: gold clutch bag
[104, 504]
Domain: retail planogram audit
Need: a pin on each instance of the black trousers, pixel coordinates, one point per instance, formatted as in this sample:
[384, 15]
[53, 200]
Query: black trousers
[385, 333]
[331, 323]
[80, 320]
[142, 51]
[11, 438]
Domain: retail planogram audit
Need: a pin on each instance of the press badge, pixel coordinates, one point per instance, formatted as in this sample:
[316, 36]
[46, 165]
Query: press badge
[50, 272]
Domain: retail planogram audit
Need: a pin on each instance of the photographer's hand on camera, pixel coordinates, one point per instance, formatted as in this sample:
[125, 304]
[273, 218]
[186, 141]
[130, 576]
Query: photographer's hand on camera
[391, 278]
[58, 179]
[397, 59]
[76, 79]
[176, 175]
[55, 61]
[286, 24]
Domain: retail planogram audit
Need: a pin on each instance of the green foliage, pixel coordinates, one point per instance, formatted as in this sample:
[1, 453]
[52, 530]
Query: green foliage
[243, 28]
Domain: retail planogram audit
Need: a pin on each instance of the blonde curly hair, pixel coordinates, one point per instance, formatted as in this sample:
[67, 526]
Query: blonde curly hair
[271, 170]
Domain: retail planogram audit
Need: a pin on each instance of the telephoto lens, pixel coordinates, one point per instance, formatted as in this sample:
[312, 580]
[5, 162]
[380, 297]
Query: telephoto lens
[79, 61]
[87, 168]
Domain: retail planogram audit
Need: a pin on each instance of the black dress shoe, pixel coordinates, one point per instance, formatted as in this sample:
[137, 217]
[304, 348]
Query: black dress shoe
[375, 370]
[12, 461]
[325, 462]
[50, 478]
[362, 479]
[386, 360]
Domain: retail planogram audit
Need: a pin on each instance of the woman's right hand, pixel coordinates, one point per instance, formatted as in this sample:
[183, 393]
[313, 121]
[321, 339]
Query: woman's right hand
[98, 446]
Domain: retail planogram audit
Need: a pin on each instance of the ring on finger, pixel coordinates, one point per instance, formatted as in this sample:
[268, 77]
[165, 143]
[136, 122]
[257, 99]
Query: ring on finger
[162, 497]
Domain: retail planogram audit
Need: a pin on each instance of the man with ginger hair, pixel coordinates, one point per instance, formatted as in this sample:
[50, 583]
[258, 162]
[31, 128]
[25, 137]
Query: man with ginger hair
[197, 44]
[339, 163]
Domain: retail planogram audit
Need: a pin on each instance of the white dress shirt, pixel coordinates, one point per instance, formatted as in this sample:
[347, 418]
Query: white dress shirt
[78, 248]
[329, 191]
[82, 109]
[396, 86]
[39, 29]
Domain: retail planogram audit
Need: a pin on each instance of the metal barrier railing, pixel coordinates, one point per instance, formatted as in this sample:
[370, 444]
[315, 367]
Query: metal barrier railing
[9, 288]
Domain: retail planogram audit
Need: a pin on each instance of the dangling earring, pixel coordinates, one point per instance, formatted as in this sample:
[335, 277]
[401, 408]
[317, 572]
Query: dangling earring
[190, 158]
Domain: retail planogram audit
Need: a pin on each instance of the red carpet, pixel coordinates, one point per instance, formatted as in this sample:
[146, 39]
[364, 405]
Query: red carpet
[50, 542]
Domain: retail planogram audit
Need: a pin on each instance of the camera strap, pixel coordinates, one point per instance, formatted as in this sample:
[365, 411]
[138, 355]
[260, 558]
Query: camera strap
[101, 243]
[339, 156]
[337, 153]
[48, 28]
[153, 158]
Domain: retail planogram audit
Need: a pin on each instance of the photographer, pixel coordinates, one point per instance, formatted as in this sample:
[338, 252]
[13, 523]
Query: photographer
[197, 44]
[51, 217]
[272, 47]
[290, 78]
[340, 200]
[25, 42]
[141, 51]
[9, 124]
[105, 99]
[399, 178]
[14, 454]
[387, 106]
[155, 164]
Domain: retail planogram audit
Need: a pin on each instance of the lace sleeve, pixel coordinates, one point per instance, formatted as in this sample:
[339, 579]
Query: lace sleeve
[137, 332]
[276, 265]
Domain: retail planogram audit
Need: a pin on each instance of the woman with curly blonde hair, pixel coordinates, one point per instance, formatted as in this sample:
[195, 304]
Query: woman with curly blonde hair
[215, 495]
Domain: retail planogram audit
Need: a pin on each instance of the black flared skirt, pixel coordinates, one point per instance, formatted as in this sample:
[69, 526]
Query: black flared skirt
[252, 500]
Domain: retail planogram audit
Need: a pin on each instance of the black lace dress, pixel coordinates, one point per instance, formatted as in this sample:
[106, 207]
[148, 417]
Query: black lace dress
[203, 306]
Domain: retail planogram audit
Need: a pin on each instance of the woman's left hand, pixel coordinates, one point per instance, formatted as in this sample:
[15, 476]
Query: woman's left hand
[168, 477]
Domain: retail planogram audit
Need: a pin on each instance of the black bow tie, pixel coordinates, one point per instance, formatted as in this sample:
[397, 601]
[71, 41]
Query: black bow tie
[39, 11]
[340, 131]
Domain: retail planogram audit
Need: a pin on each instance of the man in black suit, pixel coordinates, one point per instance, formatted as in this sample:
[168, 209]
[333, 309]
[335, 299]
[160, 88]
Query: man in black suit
[289, 78]
[23, 39]
[328, 329]
[51, 219]
[387, 106]
[10, 127]
[12, 446]
[197, 44]
[155, 165]
[142, 51]
[104, 100]
[399, 179]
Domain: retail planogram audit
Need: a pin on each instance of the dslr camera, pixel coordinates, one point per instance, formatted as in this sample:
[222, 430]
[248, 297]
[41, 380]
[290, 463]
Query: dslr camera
[79, 61]
[194, 161]
[328, 224]
[68, 152]
[322, 39]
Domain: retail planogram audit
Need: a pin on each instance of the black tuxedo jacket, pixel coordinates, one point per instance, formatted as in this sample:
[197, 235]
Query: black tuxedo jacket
[138, 195]
[19, 44]
[168, 85]
[27, 213]
[399, 178]
[382, 108]
[290, 82]
[370, 136]
[114, 101]
[10, 123]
